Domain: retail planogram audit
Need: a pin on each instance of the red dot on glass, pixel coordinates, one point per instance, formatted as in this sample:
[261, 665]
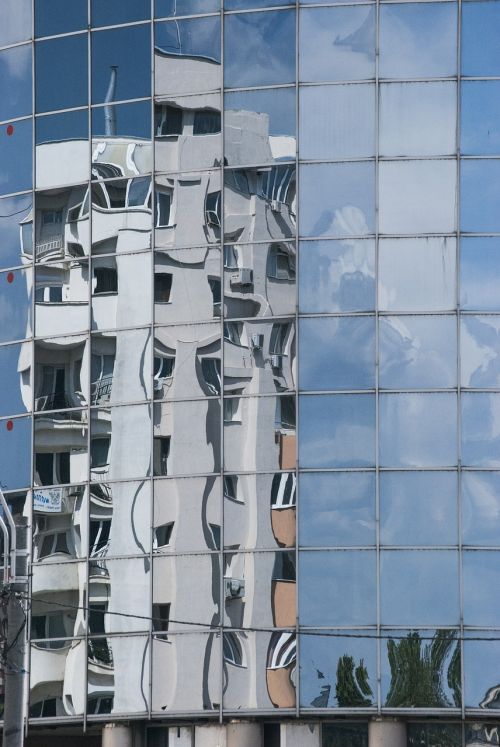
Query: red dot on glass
[10, 425]
[10, 277]
[10, 130]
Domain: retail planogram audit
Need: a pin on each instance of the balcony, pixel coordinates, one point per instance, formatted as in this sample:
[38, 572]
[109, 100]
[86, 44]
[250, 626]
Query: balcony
[53, 246]
[100, 391]
[57, 401]
[99, 652]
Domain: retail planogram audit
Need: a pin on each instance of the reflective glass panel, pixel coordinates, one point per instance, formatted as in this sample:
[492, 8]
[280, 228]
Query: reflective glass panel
[62, 149]
[337, 509]
[121, 138]
[418, 352]
[15, 305]
[337, 199]
[432, 596]
[169, 573]
[480, 118]
[345, 735]
[272, 446]
[479, 274]
[15, 21]
[338, 672]
[116, 301]
[111, 51]
[16, 157]
[481, 604]
[59, 519]
[60, 17]
[433, 443]
[62, 225]
[434, 735]
[61, 73]
[480, 508]
[257, 49]
[406, 28]
[417, 196]
[188, 289]
[119, 595]
[120, 442]
[337, 276]
[119, 519]
[343, 36]
[187, 56]
[15, 70]
[337, 587]
[418, 508]
[62, 459]
[186, 663]
[481, 430]
[111, 12]
[120, 367]
[480, 29]
[481, 673]
[15, 379]
[479, 351]
[61, 373]
[479, 210]
[127, 657]
[422, 669]
[164, 8]
[15, 440]
[337, 121]
[16, 229]
[180, 427]
[248, 4]
[417, 274]
[326, 353]
[118, 205]
[259, 126]
[337, 430]
[418, 119]
[48, 701]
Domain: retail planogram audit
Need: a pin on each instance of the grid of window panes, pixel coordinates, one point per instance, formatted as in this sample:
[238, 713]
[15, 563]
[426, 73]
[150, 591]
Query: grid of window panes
[153, 204]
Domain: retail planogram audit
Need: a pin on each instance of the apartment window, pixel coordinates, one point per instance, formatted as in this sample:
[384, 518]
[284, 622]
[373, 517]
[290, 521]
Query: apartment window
[168, 121]
[101, 371]
[215, 287]
[51, 217]
[231, 487]
[280, 263]
[206, 122]
[285, 412]
[44, 708]
[213, 209]
[99, 452]
[210, 368]
[163, 287]
[97, 612]
[230, 257]
[163, 206]
[100, 704]
[55, 542]
[161, 447]
[163, 367]
[53, 467]
[49, 294]
[163, 534]
[98, 535]
[232, 332]
[216, 535]
[138, 192]
[283, 490]
[49, 626]
[161, 617]
[231, 649]
[276, 183]
[52, 389]
[106, 280]
[232, 409]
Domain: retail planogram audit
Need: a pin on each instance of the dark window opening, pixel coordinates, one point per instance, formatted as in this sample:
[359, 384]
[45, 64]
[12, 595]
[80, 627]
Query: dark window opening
[106, 280]
[163, 287]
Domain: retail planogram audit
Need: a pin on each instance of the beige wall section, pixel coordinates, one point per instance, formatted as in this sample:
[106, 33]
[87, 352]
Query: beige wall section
[230, 735]
[300, 735]
[386, 733]
[180, 736]
[117, 735]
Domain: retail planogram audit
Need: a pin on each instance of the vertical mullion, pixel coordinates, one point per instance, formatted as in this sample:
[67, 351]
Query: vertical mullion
[221, 401]
[297, 352]
[377, 411]
[152, 358]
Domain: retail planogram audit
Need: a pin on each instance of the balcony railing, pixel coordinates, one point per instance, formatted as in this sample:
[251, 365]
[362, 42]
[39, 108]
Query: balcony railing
[100, 391]
[55, 401]
[50, 246]
[99, 652]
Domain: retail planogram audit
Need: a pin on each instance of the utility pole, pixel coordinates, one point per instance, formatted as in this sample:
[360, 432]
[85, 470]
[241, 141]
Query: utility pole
[14, 622]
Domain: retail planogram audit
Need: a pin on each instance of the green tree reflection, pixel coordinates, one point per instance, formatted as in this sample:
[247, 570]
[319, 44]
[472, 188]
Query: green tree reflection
[352, 688]
[424, 673]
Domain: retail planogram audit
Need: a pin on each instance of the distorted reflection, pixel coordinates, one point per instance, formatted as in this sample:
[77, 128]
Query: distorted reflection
[482, 681]
[15, 379]
[259, 510]
[61, 373]
[337, 276]
[187, 514]
[187, 288]
[480, 351]
[260, 589]
[182, 429]
[60, 525]
[121, 211]
[431, 734]
[111, 54]
[121, 137]
[253, 678]
[115, 300]
[338, 672]
[120, 367]
[61, 296]
[179, 609]
[119, 519]
[343, 36]
[61, 454]
[422, 669]
[186, 669]
[16, 227]
[259, 433]
[165, 8]
[56, 669]
[62, 149]
[120, 442]
[195, 352]
[117, 672]
[62, 225]
[267, 119]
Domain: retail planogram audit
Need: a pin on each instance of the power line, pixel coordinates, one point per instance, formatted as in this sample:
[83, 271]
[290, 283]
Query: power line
[251, 629]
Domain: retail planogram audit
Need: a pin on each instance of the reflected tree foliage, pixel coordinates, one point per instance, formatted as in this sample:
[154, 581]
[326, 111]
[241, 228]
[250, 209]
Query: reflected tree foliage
[352, 688]
[424, 673]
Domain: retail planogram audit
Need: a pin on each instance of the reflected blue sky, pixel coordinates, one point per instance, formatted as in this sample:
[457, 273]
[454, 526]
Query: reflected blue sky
[480, 429]
[132, 120]
[480, 196]
[165, 8]
[61, 73]
[60, 16]
[11, 402]
[480, 273]
[15, 458]
[480, 118]
[197, 37]
[12, 211]
[15, 74]
[65, 126]
[15, 21]
[278, 104]
[15, 305]
[133, 74]
[16, 159]
[110, 12]
[480, 53]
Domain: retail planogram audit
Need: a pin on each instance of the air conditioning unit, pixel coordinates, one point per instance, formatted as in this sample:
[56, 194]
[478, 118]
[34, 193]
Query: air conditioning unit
[277, 361]
[234, 588]
[243, 276]
[257, 341]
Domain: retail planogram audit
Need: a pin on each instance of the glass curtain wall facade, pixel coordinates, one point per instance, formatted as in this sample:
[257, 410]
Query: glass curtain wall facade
[235, 242]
